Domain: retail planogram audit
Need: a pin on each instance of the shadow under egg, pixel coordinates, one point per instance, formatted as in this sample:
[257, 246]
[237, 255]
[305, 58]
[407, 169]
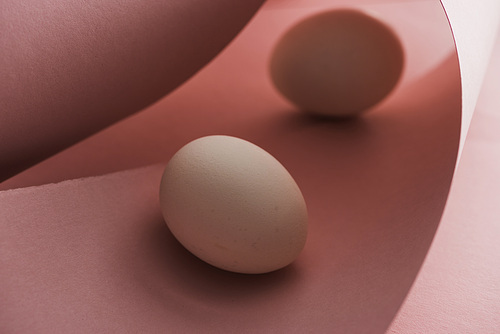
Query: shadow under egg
[195, 281]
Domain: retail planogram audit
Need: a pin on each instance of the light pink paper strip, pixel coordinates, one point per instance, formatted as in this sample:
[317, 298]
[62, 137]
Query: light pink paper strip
[458, 288]
[475, 25]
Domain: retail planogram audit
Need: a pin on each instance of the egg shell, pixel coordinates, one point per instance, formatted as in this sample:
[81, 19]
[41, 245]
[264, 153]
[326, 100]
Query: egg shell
[233, 205]
[337, 63]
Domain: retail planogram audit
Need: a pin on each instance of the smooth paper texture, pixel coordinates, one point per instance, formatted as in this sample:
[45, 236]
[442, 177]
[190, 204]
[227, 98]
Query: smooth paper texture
[234, 95]
[475, 25]
[62, 85]
[457, 290]
[94, 255]
[71, 68]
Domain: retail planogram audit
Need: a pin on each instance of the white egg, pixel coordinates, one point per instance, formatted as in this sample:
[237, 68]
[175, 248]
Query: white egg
[337, 63]
[233, 205]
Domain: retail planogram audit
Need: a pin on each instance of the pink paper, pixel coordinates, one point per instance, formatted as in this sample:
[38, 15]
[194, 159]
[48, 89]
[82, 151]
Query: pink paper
[71, 68]
[236, 92]
[93, 255]
[475, 25]
[458, 288]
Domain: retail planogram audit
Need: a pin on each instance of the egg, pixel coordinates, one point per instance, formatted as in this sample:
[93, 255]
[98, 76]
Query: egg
[233, 205]
[337, 63]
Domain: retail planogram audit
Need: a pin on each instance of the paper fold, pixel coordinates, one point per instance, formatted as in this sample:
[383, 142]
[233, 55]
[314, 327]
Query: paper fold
[94, 254]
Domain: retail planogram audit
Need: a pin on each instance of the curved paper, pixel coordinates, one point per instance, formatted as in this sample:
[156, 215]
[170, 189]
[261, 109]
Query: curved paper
[456, 290]
[71, 68]
[475, 25]
[94, 254]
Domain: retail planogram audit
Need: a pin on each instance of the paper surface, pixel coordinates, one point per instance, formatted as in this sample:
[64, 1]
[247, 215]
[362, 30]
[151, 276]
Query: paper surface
[70, 68]
[458, 289]
[235, 90]
[94, 255]
[475, 25]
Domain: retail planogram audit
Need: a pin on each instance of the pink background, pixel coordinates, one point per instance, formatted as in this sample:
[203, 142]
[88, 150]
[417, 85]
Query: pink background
[93, 255]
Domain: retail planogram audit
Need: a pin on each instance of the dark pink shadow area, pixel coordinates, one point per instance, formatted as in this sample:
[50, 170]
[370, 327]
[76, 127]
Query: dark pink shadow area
[94, 255]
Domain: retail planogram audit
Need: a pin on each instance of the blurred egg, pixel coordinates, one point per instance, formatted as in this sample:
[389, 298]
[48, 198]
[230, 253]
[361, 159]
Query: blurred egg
[337, 63]
[233, 205]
